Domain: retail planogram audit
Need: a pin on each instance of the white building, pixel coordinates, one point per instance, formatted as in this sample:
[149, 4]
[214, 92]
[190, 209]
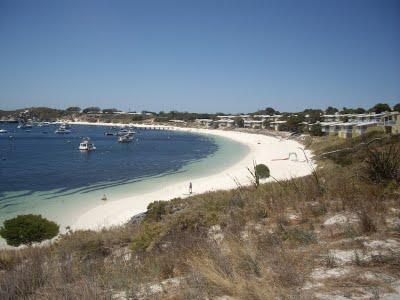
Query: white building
[277, 125]
[256, 124]
[225, 123]
[204, 122]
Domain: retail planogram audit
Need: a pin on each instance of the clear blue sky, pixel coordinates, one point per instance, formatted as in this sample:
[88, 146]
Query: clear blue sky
[205, 56]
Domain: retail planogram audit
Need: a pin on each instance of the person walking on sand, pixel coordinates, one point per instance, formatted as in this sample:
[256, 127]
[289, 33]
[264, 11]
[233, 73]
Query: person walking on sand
[190, 188]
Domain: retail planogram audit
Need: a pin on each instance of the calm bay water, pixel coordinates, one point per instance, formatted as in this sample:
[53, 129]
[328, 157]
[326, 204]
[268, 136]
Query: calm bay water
[43, 172]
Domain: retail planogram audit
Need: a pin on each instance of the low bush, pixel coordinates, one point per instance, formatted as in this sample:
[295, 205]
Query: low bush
[28, 229]
[145, 237]
[383, 165]
[156, 210]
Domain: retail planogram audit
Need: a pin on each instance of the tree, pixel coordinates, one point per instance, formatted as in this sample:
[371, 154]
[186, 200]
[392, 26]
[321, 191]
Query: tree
[73, 109]
[262, 171]
[270, 111]
[28, 229]
[331, 110]
[314, 115]
[267, 111]
[156, 210]
[397, 107]
[380, 107]
[258, 172]
[267, 124]
[294, 123]
[43, 113]
[360, 110]
[346, 110]
[92, 109]
[137, 118]
[316, 130]
[239, 122]
[109, 110]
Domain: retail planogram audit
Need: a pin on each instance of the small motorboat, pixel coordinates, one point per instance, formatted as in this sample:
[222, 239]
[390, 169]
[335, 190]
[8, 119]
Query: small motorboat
[125, 138]
[63, 129]
[24, 125]
[3, 131]
[123, 132]
[86, 145]
[109, 133]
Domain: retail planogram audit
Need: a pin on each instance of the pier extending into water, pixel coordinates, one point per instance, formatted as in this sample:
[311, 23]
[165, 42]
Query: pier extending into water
[152, 127]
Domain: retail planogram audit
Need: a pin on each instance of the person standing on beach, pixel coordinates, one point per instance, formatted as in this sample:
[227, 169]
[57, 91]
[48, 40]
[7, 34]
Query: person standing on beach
[190, 188]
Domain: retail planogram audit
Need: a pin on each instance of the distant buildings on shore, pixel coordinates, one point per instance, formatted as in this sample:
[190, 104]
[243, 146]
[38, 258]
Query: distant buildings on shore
[342, 125]
[315, 122]
[353, 125]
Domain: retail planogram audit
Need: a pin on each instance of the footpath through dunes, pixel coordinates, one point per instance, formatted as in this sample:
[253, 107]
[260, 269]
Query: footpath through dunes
[272, 151]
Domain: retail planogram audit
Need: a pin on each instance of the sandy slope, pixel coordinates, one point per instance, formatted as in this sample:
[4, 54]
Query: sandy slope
[262, 148]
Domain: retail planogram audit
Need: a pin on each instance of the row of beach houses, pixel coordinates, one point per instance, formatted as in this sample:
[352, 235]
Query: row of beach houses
[249, 121]
[352, 125]
[342, 125]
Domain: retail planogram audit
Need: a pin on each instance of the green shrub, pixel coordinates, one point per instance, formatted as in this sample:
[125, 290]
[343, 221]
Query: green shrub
[262, 171]
[28, 229]
[92, 248]
[145, 237]
[156, 210]
[316, 130]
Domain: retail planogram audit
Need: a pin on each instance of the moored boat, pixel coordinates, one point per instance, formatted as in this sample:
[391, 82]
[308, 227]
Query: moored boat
[24, 125]
[86, 145]
[125, 138]
[43, 124]
[123, 131]
[63, 129]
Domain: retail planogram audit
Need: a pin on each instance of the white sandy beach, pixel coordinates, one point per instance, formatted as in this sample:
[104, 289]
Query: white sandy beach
[262, 149]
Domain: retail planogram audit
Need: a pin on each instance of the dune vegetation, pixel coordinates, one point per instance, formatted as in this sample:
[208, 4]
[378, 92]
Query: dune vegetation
[333, 233]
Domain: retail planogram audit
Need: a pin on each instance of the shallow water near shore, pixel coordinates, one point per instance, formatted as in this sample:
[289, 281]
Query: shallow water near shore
[44, 173]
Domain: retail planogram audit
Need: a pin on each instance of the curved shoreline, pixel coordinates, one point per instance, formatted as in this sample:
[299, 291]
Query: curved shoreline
[262, 149]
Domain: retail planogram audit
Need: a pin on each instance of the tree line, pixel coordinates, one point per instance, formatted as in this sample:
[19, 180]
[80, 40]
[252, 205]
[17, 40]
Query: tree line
[314, 115]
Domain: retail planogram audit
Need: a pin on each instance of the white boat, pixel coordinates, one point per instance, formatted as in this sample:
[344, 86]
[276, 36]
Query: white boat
[86, 145]
[3, 131]
[63, 129]
[125, 138]
[123, 132]
[24, 125]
